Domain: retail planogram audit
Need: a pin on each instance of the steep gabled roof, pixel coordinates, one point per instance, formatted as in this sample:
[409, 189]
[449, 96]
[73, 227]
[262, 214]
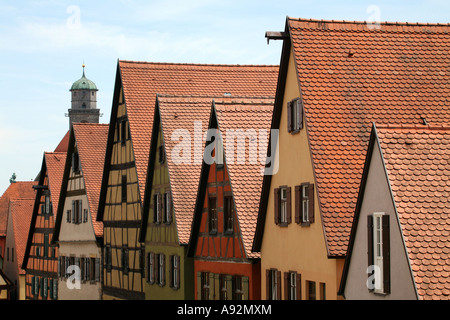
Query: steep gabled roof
[17, 190]
[53, 165]
[239, 117]
[417, 161]
[90, 139]
[142, 81]
[176, 113]
[21, 211]
[64, 143]
[349, 76]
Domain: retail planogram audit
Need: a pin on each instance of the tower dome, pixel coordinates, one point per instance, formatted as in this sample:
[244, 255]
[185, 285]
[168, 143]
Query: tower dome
[84, 101]
[84, 84]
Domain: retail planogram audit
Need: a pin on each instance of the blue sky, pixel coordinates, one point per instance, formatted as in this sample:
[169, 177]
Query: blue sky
[44, 43]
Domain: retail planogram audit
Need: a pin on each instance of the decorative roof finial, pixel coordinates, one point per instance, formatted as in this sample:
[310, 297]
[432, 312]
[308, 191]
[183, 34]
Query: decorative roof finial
[13, 178]
[83, 68]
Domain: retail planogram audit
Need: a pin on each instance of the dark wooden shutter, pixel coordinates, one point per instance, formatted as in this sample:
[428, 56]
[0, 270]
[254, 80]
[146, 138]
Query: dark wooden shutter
[159, 208]
[169, 207]
[289, 116]
[276, 201]
[268, 285]
[370, 244]
[288, 205]
[311, 202]
[74, 212]
[299, 114]
[278, 288]
[286, 285]
[171, 271]
[298, 203]
[164, 270]
[298, 286]
[386, 255]
[178, 271]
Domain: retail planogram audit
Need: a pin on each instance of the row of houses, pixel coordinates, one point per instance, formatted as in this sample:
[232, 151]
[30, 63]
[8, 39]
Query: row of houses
[326, 177]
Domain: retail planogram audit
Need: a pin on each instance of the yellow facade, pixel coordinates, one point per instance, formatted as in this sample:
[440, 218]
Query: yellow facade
[297, 248]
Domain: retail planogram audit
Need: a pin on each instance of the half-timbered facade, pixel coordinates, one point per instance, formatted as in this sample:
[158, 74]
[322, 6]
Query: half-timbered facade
[41, 257]
[227, 201]
[127, 153]
[77, 233]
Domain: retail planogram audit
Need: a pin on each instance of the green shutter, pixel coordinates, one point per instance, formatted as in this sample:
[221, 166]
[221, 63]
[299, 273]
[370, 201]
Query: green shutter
[245, 288]
[199, 285]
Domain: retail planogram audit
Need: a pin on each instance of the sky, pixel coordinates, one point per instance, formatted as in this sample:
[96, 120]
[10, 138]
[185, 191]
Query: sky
[43, 45]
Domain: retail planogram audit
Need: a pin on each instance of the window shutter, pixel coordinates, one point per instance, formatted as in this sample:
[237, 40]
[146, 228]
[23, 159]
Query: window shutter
[297, 204]
[97, 269]
[55, 290]
[85, 217]
[289, 116]
[74, 212]
[211, 286]
[267, 284]
[68, 216]
[163, 283]
[171, 271]
[178, 271]
[278, 288]
[299, 113]
[33, 286]
[276, 201]
[311, 202]
[159, 207]
[199, 285]
[155, 267]
[370, 242]
[245, 288]
[288, 205]
[169, 207]
[386, 255]
[286, 285]
[298, 286]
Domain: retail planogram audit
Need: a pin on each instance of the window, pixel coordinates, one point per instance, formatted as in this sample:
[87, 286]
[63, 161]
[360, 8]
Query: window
[238, 291]
[205, 286]
[295, 115]
[175, 272]
[224, 283]
[77, 211]
[273, 284]
[228, 214]
[162, 155]
[292, 282]
[212, 214]
[108, 258]
[219, 156]
[69, 215]
[151, 267]
[157, 208]
[75, 162]
[85, 215]
[122, 131]
[311, 287]
[46, 245]
[167, 214]
[124, 189]
[304, 204]
[125, 259]
[282, 203]
[160, 275]
[379, 252]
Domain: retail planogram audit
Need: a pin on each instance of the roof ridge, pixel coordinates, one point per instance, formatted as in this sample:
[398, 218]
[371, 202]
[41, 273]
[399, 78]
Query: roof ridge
[196, 64]
[397, 23]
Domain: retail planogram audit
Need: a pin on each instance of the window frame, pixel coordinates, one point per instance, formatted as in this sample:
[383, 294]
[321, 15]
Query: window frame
[212, 214]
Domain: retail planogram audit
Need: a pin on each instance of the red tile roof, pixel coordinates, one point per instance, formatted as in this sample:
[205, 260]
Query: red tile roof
[17, 190]
[350, 76]
[182, 113]
[246, 177]
[55, 162]
[64, 143]
[142, 81]
[417, 161]
[91, 143]
[21, 213]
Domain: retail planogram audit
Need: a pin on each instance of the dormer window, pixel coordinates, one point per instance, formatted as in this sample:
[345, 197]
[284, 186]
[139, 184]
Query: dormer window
[295, 115]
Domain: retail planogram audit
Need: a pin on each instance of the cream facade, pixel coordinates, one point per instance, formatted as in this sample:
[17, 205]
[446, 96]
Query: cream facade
[294, 248]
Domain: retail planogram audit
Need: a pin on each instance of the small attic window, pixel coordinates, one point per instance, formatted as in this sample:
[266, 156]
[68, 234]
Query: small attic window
[295, 115]
[84, 106]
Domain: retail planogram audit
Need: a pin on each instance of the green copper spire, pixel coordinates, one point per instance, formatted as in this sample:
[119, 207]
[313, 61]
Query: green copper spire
[84, 83]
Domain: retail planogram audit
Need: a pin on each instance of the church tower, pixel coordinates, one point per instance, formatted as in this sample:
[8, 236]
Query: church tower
[84, 102]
